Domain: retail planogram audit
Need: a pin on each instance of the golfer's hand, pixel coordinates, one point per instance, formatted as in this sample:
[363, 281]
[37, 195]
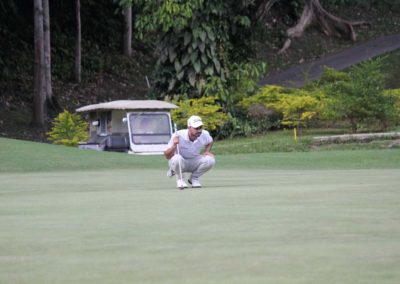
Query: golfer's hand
[176, 139]
[208, 154]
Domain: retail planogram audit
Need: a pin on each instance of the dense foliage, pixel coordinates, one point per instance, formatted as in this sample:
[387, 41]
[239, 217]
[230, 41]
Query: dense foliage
[196, 40]
[213, 116]
[358, 97]
[68, 129]
[296, 106]
[203, 48]
[199, 41]
[100, 33]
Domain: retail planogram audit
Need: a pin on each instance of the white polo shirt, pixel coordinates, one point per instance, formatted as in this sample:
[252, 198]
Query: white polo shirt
[189, 149]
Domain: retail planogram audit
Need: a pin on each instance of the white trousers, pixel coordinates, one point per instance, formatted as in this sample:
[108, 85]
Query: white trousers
[196, 166]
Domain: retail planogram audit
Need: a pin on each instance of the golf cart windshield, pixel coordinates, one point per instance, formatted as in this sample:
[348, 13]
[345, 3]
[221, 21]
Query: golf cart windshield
[149, 128]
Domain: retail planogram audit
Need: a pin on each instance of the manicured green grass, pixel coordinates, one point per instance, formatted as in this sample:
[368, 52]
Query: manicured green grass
[280, 141]
[301, 217]
[284, 141]
[23, 156]
[244, 226]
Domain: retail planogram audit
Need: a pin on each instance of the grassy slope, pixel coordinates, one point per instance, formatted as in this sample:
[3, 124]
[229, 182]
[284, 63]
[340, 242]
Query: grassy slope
[23, 156]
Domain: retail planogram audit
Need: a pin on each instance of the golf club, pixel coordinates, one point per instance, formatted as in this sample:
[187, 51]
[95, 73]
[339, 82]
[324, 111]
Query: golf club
[179, 160]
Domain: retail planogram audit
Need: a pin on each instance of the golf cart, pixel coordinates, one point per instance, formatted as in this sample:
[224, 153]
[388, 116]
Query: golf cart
[133, 126]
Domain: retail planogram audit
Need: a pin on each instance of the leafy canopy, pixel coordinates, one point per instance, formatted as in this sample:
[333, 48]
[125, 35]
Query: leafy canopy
[358, 96]
[198, 40]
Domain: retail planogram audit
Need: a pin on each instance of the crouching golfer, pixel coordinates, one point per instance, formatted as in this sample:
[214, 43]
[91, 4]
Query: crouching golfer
[184, 153]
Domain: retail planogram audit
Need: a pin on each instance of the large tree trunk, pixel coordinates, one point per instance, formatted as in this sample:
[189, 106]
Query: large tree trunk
[314, 14]
[127, 44]
[39, 93]
[78, 42]
[50, 99]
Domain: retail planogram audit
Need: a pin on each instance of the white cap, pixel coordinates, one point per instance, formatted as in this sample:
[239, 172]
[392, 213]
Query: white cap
[194, 121]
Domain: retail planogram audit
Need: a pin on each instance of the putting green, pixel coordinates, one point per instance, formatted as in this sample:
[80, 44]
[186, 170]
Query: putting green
[244, 226]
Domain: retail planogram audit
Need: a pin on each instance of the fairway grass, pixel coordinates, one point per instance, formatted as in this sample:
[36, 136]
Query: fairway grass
[75, 216]
[24, 156]
[244, 226]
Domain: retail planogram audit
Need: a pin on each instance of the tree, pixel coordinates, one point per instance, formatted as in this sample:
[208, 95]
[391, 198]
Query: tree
[359, 95]
[78, 43]
[39, 93]
[43, 93]
[196, 42]
[313, 14]
[68, 129]
[199, 39]
[127, 26]
[127, 44]
[47, 51]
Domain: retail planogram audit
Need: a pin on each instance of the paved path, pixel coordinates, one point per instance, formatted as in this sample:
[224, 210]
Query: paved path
[295, 76]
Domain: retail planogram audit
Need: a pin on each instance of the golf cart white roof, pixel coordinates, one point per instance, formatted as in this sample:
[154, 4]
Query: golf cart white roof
[129, 105]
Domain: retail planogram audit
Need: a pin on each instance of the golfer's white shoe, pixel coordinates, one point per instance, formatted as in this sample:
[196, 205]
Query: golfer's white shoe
[194, 182]
[181, 184]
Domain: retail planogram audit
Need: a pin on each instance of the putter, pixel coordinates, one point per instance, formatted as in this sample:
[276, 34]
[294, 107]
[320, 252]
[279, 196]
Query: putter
[179, 161]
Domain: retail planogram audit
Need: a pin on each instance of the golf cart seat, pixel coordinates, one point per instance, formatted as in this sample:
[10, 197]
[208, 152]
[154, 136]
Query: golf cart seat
[117, 142]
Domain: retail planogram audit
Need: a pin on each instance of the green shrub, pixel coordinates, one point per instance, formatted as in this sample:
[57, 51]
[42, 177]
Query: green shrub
[68, 129]
[235, 127]
[263, 118]
[331, 75]
[297, 110]
[205, 107]
[360, 99]
[267, 95]
[391, 115]
[240, 83]
[297, 107]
